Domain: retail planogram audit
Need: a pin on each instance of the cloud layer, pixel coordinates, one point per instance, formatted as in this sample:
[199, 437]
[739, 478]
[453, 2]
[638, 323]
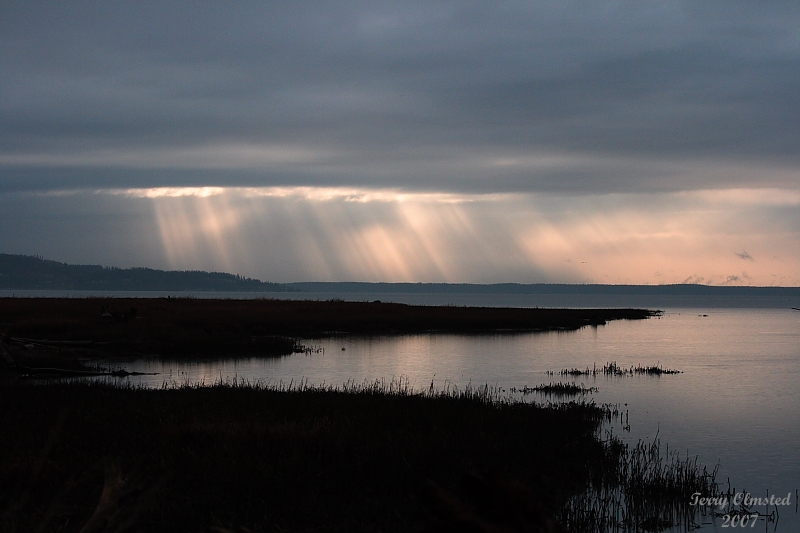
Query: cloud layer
[577, 97]
[623, 142]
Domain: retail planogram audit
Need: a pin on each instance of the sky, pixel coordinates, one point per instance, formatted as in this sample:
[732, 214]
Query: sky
[572, 141]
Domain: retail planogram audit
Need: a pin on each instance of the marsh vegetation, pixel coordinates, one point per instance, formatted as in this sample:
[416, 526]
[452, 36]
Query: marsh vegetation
[190, 328]
[558, 389]
[613, 369]
[371, 457]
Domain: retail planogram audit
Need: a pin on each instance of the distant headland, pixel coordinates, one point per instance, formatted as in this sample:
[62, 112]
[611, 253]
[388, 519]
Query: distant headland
[19, 272]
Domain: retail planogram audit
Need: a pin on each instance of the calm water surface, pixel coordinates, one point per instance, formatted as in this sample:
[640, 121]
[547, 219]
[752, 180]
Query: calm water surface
[736, 402]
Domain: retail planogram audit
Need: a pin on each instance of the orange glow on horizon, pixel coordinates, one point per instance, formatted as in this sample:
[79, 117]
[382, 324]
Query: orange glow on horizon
[284, 234]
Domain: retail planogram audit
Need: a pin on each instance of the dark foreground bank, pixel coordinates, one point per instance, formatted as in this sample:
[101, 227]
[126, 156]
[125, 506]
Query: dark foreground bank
[191, 327]
[90, 457]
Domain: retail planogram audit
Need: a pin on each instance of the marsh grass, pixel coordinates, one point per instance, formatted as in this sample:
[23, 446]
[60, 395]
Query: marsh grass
[559, 389]
[191, 328]
[296, 457]
[641, 488]
[287, 456]
[613, 369]
[655, 370]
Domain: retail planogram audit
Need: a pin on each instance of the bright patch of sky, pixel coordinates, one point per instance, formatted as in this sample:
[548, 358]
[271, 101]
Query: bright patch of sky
[728, 237]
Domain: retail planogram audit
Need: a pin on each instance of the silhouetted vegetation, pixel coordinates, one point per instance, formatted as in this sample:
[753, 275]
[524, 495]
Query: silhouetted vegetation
[29, 272]
[642, 488]
[186, 327]
[613, 369]
[558, 389]
[378, 457]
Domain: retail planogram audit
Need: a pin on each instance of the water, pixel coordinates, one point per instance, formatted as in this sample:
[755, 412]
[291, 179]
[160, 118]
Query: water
[735, 403]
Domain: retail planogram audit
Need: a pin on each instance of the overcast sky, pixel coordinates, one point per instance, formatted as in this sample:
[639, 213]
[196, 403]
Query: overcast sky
[611, 142]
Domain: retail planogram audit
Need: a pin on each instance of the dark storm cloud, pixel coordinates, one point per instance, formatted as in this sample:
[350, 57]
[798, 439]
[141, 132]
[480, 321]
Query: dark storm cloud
[449, 96]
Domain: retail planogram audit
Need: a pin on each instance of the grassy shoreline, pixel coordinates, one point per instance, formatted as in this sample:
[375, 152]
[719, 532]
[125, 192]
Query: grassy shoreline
[180, 328]
[248, 458]
[270, 460]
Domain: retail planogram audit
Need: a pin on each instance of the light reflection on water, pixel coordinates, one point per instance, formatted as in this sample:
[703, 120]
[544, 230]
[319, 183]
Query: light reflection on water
[736, 401]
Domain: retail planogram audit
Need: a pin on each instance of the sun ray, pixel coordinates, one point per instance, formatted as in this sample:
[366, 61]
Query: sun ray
[387, 235]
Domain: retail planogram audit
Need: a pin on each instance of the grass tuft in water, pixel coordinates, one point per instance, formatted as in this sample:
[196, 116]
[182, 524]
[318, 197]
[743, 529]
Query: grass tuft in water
[559, 389]
[613, 369]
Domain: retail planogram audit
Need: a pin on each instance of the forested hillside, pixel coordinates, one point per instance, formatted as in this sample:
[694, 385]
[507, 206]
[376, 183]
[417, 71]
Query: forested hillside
[29, 272]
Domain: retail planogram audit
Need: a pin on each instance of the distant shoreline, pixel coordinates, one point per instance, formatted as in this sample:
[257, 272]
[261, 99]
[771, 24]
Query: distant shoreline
[666, 302]
[32, 273]
[680, 289]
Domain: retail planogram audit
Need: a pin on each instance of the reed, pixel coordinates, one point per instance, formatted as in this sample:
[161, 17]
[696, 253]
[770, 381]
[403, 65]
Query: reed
[613, 369]
[376, 455]
[558, 389]
[278, 456]
[655, 370]
[641, 488]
